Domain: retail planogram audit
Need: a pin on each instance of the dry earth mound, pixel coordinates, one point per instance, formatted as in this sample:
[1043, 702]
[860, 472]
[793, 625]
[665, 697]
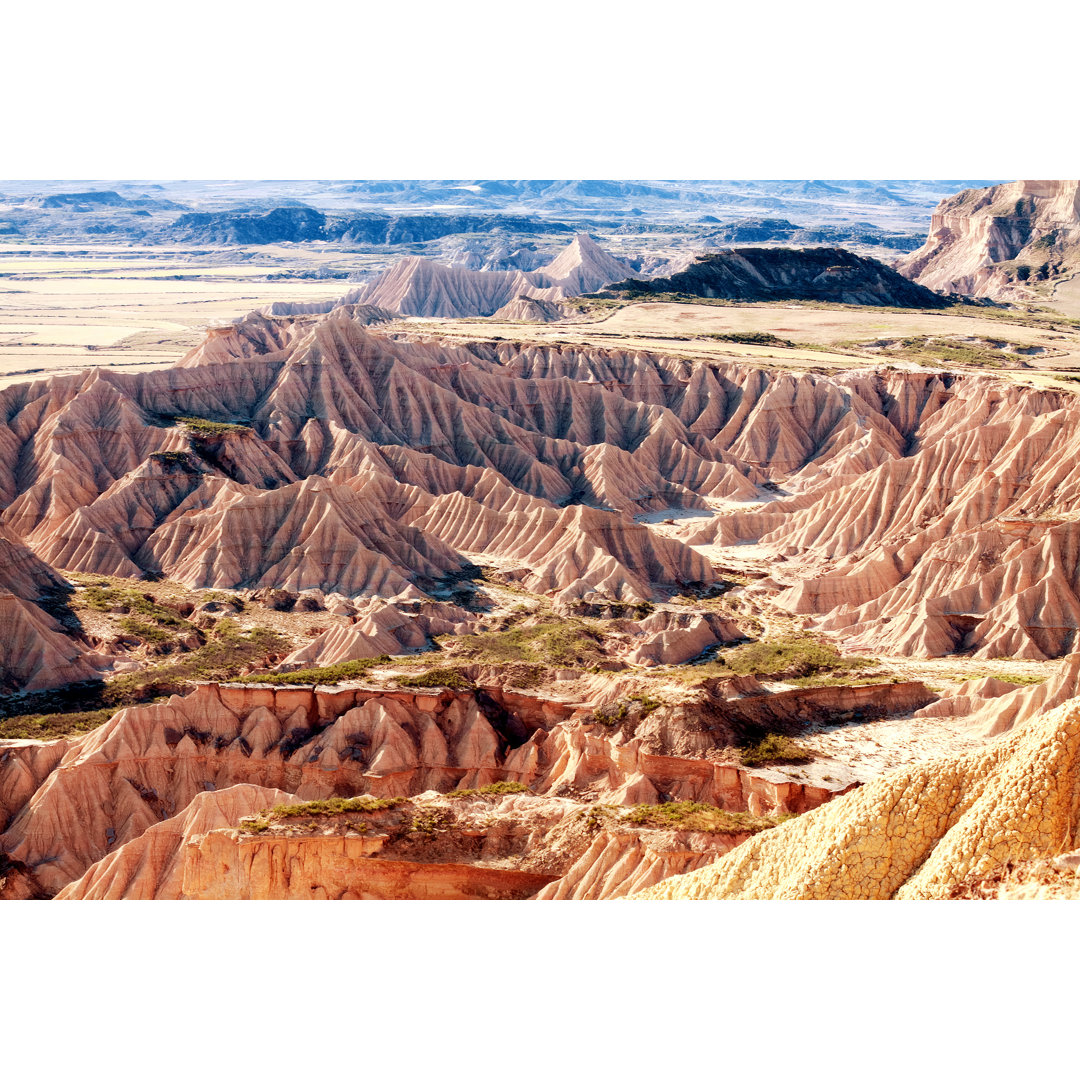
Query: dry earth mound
[529, 309]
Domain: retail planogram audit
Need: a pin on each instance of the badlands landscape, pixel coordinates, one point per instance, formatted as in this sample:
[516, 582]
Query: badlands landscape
[540, 540]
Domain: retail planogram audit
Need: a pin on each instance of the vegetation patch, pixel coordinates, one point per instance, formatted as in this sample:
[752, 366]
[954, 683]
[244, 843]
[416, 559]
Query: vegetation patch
[58, 725]
[793, 656]
[500, 787]
[221, 659]
[111, 600]
[681, 816]
[698, 817]
[752, 337]
[438, 678]
[202, 428]
[637, 706]
[552, 641]
[774, 750]
[365, 804]
[334, 807]
[843, 680]
[324, 676]
[148, 632]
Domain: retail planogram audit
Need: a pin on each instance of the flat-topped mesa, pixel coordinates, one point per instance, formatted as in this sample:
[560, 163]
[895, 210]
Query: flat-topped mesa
[760, 274]
[999, 241]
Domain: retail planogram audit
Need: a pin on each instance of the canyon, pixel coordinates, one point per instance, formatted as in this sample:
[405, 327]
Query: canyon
[362, 599]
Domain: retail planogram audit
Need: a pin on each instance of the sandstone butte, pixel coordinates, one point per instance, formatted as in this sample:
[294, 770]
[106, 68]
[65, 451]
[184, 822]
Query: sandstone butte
[999, 241]
[930, 512]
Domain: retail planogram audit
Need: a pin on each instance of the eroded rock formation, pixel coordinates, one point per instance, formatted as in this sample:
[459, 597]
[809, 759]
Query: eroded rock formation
[417, 286]
[113, 810]
[918, 831]
[830, 274]
[999, 241]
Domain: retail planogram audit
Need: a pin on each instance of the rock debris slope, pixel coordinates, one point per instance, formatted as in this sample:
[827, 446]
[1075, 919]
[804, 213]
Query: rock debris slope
[999, 241]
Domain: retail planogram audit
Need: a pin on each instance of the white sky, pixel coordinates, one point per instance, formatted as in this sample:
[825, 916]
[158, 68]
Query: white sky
[585, 89]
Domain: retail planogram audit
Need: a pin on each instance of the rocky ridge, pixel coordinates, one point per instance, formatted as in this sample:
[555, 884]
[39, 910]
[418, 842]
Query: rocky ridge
[762, 274]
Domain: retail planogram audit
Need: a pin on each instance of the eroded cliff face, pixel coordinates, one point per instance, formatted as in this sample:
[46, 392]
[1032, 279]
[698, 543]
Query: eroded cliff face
[120, 810]
[999, 241]
[917, 832]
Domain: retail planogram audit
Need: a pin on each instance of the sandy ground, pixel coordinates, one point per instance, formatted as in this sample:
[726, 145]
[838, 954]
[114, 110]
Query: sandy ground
[671, 328]
[64, 310]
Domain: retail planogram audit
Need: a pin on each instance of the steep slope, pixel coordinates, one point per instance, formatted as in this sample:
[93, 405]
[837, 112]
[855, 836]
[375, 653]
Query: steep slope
[583, 266]
[36, 651]
[998, 241]
[914, 512]
[417, 286]
[69, 805]
[916, 832]
[830, 274]
[151, 867]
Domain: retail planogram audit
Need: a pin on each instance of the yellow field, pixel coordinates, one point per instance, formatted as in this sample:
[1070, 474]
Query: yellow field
[63, 314]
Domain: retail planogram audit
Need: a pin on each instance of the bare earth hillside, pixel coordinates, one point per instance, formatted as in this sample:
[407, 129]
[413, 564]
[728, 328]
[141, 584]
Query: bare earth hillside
[345, 605]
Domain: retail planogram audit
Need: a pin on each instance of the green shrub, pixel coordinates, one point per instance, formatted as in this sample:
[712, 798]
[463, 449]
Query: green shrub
[365, 804]
[438, 678]
[698, 817]
[335, 673]
[557, 642]
[58, 725]
[152, 635]
[500, 787]
[795, 655]
[752, 337]
[200, 427]
[613, 715]
[774, 750]
[129, 602]
[219, 660]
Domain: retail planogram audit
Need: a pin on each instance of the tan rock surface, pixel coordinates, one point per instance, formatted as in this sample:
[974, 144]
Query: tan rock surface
[70, 805]
[918, 831]
[151, 866]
